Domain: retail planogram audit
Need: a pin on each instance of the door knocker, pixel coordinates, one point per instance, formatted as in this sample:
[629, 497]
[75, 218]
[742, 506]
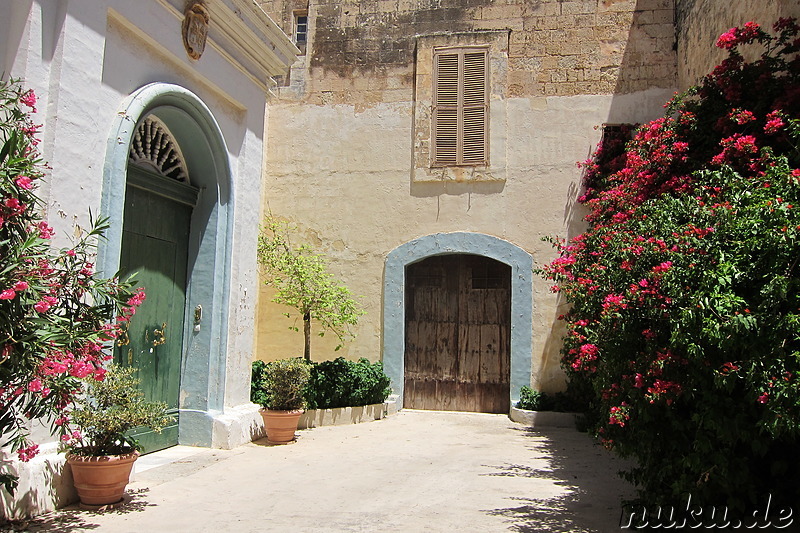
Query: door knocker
[159, 335]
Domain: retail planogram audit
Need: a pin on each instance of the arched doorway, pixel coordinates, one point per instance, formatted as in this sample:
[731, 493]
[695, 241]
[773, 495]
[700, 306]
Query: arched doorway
[159, 199]
[457, 341]
[487, 246]
[177, 225]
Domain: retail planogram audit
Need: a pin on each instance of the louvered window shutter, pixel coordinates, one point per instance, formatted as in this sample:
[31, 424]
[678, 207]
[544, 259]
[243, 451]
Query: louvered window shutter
[460, 108]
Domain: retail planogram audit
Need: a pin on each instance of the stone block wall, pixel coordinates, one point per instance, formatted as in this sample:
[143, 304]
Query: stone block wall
[364, 51]
[700, 22]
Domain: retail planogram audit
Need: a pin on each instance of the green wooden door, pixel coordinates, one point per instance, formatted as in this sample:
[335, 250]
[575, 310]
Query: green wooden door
[154, 246]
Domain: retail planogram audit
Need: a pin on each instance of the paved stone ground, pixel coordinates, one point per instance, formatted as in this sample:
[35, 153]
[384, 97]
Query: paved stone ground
[414, 471]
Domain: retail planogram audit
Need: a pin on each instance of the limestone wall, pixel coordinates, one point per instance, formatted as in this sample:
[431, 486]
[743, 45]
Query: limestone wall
[701, 22]
[363, 52]
[345, 137]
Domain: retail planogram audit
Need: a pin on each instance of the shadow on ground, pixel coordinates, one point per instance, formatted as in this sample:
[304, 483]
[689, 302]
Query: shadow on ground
[592, 490]
[73, 518]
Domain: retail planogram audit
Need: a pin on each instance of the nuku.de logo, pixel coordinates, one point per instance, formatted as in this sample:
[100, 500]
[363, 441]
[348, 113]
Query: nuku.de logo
[694, 516]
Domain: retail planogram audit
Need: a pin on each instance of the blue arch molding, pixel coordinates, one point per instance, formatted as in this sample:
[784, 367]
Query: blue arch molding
[521, 264]
[196, 131]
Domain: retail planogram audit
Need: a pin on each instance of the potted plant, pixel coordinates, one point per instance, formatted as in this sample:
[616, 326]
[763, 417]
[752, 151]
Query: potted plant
[278, 387]
[99, 452]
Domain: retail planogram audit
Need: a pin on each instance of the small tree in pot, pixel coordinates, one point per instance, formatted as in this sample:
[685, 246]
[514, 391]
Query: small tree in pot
[278, 387]
[100, 453]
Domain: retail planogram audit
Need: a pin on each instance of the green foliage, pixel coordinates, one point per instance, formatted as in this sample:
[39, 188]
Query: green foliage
[533, 400]
[279, 385]
[343, 383]
[257, 393]
[302, 281]
[108, 410]
[566, 402]
[685, 288]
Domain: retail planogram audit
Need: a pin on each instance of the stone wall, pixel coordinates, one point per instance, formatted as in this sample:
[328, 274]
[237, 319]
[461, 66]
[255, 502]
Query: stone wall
[346, 158]
[701, 22]
[365, 50]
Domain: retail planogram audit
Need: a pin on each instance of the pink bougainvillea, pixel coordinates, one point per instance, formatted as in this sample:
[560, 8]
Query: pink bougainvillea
[685, 288]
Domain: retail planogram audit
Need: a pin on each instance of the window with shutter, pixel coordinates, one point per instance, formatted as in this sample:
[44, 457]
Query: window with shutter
[460, 107]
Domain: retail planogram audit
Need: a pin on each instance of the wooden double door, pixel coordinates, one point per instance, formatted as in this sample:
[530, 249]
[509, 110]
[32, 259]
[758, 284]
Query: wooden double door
[458, 334]
[155, 241]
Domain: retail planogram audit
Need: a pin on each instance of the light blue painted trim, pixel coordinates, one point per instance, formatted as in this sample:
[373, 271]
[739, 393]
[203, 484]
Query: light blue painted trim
[521, 264]
[203, 369]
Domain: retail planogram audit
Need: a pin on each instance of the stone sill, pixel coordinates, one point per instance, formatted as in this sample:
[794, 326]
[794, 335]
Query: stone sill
[539, 419]
[342, 416]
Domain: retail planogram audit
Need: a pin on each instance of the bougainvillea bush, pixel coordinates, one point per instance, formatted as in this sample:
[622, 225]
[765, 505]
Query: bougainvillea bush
[685, 288]
[57, 317]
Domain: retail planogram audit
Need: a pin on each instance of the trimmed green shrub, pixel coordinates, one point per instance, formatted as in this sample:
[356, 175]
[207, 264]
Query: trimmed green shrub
[343, 383]
[279, 384]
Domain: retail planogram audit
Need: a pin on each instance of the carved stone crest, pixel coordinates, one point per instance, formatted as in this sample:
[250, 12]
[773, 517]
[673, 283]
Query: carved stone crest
[195, 28]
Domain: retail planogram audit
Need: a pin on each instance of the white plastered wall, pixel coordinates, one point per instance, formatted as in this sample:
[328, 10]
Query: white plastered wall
[83, 59]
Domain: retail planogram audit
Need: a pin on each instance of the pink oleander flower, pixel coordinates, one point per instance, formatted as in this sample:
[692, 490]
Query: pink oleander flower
[45, 231]
[35, 385]
[8, 294]
[26, 454]
[43, 306]
[21, 286]
[24, 182]
[80, 369]
[764, 398]
[29, 99]
[15, 206]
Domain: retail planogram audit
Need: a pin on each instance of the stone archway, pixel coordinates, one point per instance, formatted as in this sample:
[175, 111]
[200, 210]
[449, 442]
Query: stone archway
[195, 130]
[394, 304]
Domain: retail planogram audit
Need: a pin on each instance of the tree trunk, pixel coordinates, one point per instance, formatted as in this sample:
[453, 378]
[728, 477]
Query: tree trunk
[307, 334]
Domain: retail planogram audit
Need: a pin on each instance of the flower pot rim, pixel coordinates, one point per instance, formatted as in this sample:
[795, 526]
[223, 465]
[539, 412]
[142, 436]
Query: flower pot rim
[265, 410]
[76, 458]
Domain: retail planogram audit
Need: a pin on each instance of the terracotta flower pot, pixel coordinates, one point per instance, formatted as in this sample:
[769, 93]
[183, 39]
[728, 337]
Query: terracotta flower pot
[101, 480]
[280, 425]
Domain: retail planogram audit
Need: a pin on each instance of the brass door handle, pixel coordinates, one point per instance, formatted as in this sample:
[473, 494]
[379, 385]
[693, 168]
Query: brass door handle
[159, 335]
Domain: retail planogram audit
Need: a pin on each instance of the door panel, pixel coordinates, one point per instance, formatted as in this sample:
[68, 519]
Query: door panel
[458, 314]
[154, 246]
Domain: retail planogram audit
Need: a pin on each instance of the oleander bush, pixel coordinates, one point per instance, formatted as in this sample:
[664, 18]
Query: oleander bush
[58, 318]
[685, 288]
